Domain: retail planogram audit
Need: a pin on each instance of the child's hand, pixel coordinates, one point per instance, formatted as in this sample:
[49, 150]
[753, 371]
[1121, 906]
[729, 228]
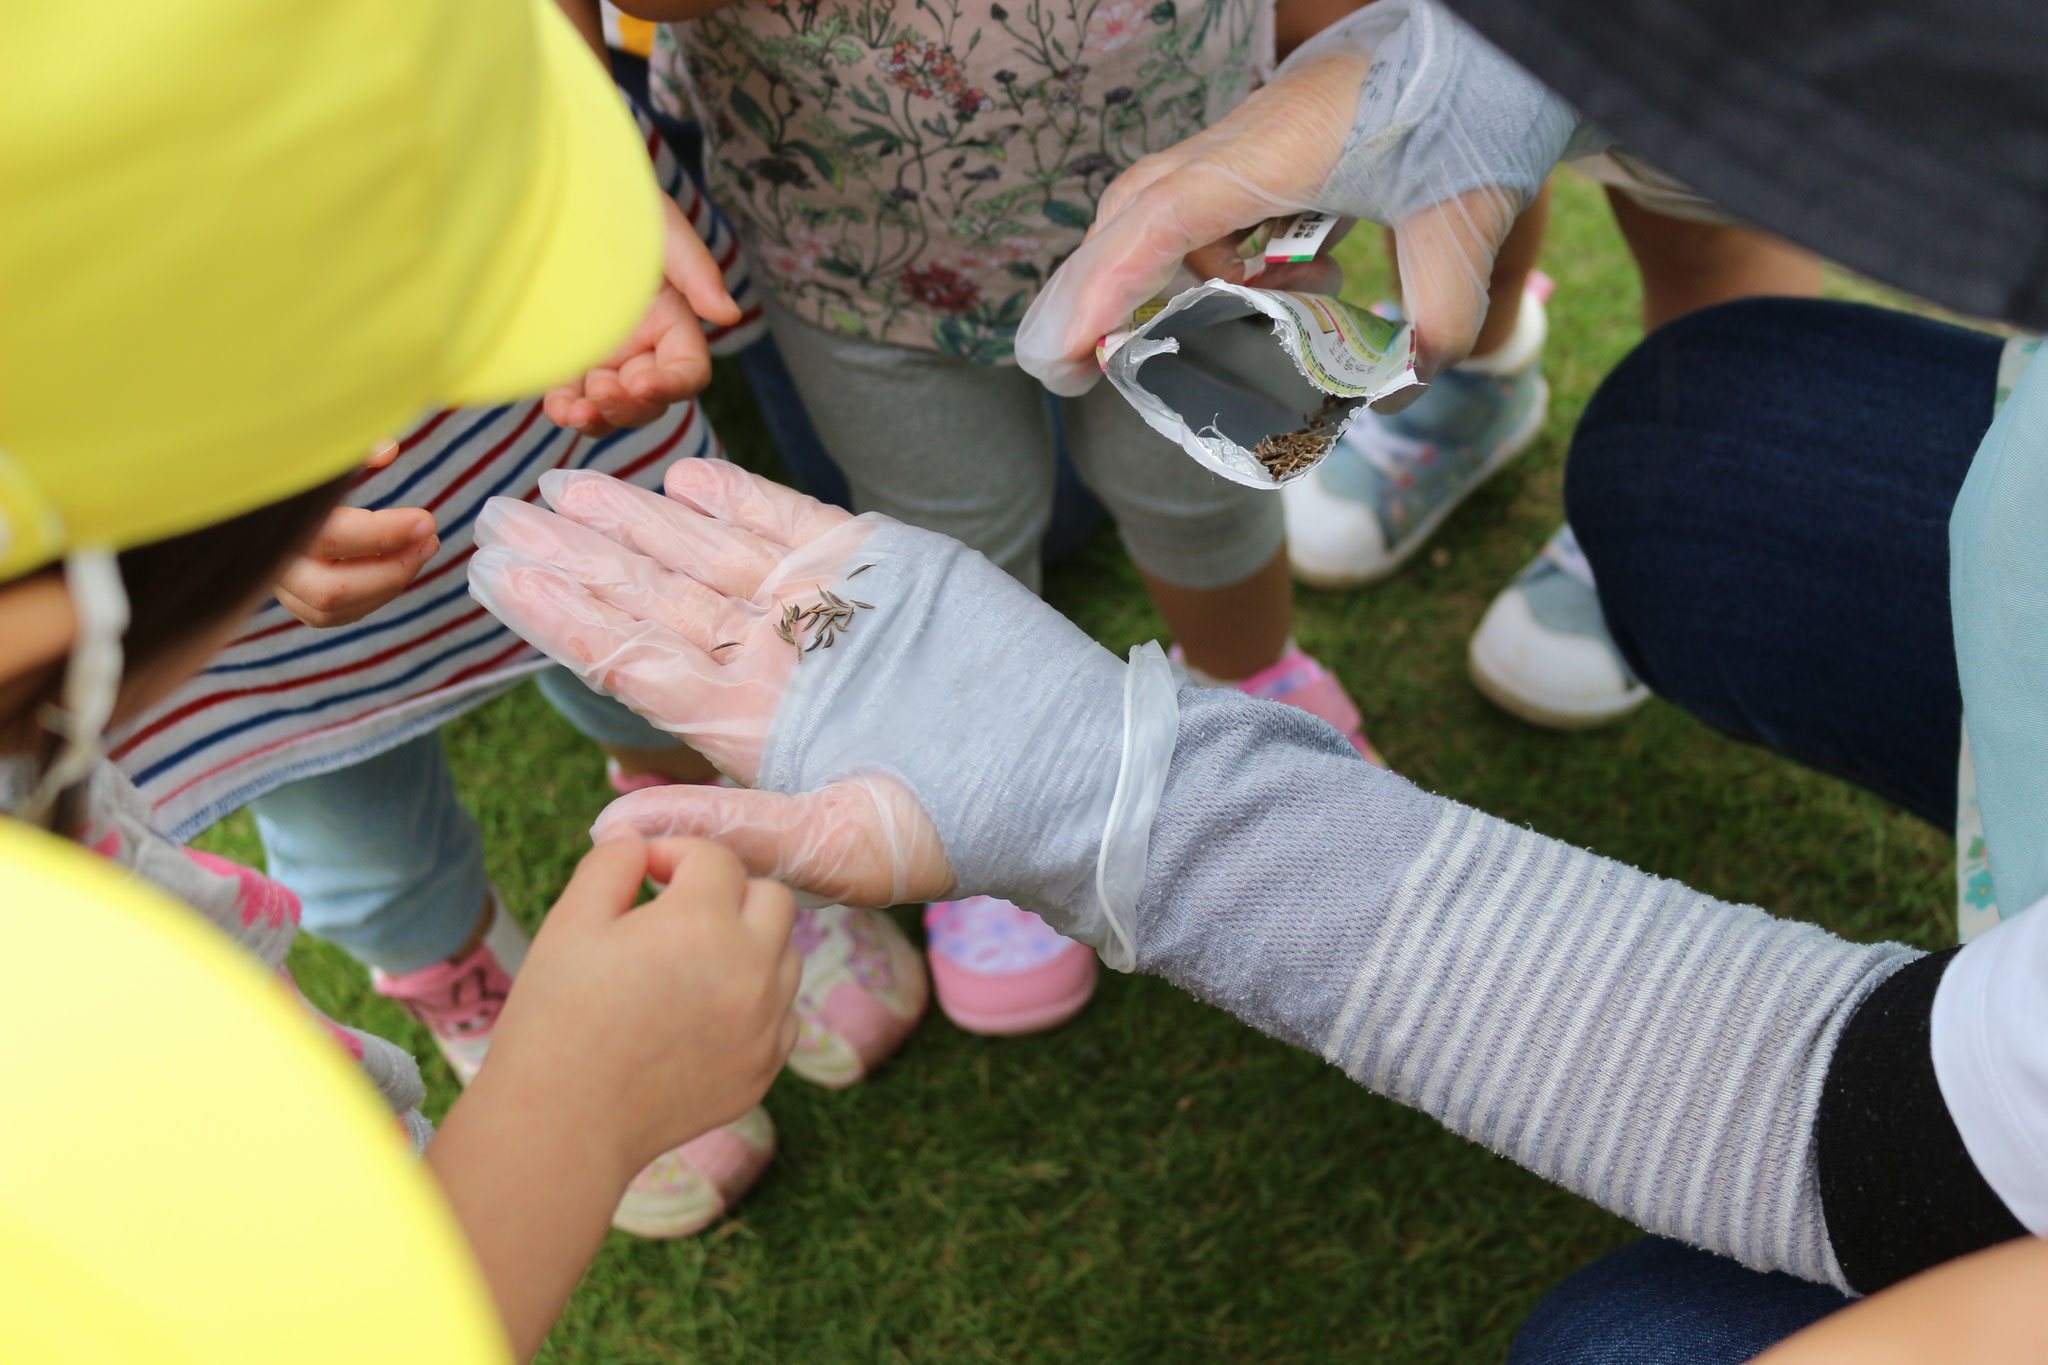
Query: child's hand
[652, 1025]
[666, 359]
[359, 561]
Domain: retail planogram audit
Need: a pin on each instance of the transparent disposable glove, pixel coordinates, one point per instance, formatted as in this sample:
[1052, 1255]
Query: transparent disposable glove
[937, 731]
[1399, 114]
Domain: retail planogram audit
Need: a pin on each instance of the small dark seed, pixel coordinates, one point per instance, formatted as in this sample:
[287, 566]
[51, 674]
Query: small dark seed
[861, 570]
[864, 606]
[727, 645]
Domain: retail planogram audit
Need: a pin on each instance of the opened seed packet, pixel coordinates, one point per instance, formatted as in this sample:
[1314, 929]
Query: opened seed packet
[1256, 384]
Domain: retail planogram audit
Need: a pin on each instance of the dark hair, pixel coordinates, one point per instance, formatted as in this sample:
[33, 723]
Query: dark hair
[182, 585]
[189, 582]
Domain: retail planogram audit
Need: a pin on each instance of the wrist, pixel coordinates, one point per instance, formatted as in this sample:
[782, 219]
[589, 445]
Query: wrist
[568, 1134]
[1151, 724]
[1021, 815]
[1442, 112]
[533, 1190]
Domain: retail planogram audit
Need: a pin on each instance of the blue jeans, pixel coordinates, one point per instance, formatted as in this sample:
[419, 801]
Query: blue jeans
[384, 858]
[1659, 1302]
[1763, 492]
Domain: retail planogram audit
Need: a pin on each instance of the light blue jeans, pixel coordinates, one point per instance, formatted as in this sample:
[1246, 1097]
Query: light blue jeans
[385, 860]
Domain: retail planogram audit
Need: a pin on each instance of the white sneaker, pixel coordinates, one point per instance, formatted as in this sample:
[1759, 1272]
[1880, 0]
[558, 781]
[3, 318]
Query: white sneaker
[1390, 481]
[1542, 651]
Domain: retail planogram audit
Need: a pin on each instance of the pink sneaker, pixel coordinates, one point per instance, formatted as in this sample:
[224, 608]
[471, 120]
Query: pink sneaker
[459, 1001]
[862, 994]
[864, 988]
[684, 1189]
[1298, 680]
[1000, 969]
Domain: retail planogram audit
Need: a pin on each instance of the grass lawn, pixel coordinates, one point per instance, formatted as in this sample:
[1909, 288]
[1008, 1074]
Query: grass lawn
[1154, 1181]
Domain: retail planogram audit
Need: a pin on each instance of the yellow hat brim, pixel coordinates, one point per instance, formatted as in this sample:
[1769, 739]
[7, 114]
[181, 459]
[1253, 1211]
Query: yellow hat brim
[595, 261]
[285, 1218]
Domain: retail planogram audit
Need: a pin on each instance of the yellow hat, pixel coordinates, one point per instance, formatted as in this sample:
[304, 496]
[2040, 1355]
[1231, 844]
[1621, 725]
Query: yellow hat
[242, 240]
[191, 1171]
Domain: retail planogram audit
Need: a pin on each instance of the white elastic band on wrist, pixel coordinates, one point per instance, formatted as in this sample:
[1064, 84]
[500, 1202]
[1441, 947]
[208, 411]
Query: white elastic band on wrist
[1151, 726]
[92, 676]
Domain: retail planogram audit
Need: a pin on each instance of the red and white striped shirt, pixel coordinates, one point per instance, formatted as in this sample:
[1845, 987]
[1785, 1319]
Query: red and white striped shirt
[284, 701]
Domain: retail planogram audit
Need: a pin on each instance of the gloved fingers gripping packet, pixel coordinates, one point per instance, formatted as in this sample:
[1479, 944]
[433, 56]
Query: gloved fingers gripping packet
[1285, 241]
[1256, 384]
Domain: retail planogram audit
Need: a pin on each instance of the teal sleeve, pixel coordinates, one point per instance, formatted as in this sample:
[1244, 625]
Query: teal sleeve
[1998, 587]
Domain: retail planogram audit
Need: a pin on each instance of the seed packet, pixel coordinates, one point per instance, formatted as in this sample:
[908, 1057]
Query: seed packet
[1256, 384]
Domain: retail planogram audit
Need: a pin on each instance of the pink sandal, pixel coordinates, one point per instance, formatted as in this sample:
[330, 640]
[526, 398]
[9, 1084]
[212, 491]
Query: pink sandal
[999, 969]
[1296, 679]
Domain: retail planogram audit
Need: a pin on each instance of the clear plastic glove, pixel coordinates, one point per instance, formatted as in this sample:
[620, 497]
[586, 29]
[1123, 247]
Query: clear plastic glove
[924, 727]
[1399, 114]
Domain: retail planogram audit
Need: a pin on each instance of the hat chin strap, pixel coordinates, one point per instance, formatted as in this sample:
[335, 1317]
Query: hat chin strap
[92, 677]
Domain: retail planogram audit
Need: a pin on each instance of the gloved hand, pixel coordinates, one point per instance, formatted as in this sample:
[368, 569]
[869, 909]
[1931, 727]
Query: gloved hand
[1399, 114]
[924, 727]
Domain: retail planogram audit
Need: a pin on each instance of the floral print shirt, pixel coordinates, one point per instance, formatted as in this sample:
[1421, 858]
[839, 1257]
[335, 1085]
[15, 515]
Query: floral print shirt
[910, 171]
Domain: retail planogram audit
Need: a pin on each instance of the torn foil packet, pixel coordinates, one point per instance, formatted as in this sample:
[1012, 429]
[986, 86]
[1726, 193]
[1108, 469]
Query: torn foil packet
[1256, 384]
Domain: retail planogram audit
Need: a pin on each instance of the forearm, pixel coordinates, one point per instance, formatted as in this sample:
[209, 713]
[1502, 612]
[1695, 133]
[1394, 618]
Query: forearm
[534, 1195]
[1658, 1051]
[589, 22]
[1297, 21]
[1983, 1308]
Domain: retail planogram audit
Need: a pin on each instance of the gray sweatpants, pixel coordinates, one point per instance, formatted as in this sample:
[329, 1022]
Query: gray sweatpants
[967, 450]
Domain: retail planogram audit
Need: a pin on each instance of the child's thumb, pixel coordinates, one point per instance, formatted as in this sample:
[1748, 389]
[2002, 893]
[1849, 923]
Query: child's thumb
[605, 884]
[688, 265]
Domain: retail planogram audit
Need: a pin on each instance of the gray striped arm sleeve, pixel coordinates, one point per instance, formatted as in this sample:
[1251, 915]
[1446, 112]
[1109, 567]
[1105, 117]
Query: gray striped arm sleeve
[1658, 1051]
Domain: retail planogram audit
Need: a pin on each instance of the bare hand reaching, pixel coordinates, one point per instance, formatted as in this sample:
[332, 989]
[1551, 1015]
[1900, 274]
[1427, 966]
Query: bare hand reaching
[666, 360]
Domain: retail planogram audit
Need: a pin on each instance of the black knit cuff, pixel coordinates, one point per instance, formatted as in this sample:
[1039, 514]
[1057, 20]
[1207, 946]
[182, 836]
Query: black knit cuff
[1897, 1186]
